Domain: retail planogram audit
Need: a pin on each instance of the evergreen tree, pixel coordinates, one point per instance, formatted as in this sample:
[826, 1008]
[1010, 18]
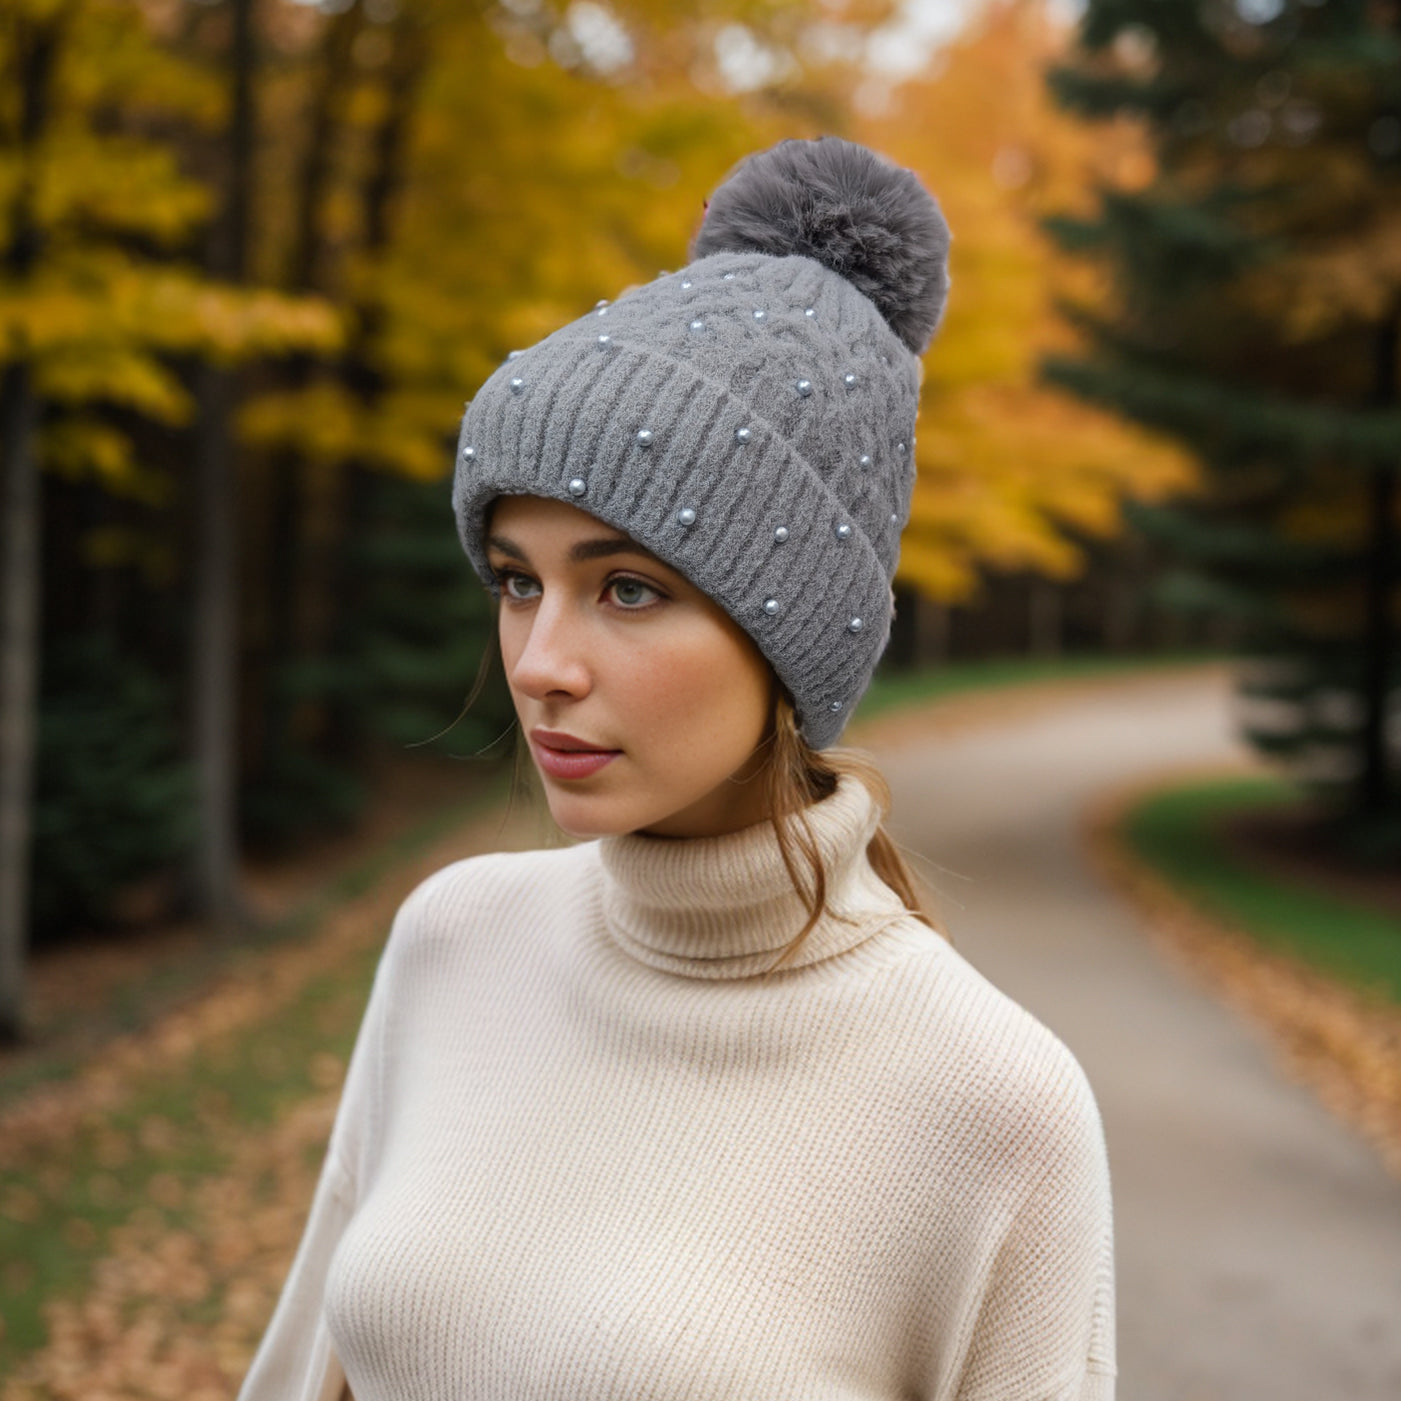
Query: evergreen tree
[427, 629]
[402, 672]
[1257, 311]
[112, 791]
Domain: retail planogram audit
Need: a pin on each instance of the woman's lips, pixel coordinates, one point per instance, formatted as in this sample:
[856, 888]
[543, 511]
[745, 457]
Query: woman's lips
[566, 763]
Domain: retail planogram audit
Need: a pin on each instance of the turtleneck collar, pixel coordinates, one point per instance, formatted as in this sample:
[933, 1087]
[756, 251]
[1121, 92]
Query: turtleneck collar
[725, 907]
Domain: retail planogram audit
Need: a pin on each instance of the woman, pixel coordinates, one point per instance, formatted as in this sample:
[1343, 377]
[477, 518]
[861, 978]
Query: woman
[703, 1107]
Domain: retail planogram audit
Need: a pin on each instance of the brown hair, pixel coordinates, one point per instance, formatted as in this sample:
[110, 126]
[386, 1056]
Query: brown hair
[796, 776]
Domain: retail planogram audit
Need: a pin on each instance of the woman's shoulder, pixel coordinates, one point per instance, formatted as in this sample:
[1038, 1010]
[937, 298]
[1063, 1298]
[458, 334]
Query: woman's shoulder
[495, 874]
[974, 1050]
[473, 896]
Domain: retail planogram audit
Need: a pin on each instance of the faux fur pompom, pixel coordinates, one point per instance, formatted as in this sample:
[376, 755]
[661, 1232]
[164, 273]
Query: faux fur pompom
[850, 210]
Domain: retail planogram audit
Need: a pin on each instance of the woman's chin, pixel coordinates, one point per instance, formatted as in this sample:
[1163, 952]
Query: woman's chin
[606, 805]
[584, 815]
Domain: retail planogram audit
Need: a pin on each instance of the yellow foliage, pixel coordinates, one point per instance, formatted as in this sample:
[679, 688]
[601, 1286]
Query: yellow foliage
[529, 194]
[319, 422]
[86, 292]
[76, 446]
[326, 423]
[114, 373]
[117, 182]
[229, 323]
[97, 314]
[128, 54]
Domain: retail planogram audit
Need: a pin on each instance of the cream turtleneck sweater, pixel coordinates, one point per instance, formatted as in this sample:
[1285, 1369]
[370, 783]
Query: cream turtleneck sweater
[585, 1153]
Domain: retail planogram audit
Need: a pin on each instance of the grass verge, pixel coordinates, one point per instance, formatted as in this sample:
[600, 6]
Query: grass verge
[1177, 833]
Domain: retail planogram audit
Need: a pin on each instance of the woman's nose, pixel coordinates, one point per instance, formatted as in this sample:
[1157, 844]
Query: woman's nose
[552, 660]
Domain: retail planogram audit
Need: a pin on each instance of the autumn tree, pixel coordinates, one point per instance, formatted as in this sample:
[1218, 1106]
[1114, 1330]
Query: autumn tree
[1256, 315]
[97, 304]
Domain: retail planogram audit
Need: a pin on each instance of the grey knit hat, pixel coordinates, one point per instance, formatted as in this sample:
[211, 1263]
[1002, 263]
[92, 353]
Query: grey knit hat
[749, 419]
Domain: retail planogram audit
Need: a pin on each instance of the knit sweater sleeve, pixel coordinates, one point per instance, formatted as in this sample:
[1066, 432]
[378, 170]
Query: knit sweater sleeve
[295, 1360]
[1044, 1329]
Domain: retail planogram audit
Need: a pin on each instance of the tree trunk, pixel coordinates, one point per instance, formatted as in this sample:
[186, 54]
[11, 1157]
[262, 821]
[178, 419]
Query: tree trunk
[1380, 643]
[933, 627]
[902, 650]
[214, 638]
[359, 372]
[35, 54]
[1045, 617]
[285, 573]
[1120, 594]
[214, 656]
[19, 657]
[314, 172]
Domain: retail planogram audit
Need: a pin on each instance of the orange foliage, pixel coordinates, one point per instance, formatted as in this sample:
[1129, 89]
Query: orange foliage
[1007, 466]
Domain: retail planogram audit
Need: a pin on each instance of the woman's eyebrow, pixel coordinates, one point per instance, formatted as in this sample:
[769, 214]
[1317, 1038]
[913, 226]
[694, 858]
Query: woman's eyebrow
[580, 551]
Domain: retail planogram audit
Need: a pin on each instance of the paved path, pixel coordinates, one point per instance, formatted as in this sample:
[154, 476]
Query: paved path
[1258, 1241]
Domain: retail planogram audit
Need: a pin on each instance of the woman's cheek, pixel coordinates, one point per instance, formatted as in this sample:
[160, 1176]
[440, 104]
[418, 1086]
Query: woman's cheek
[691, 687]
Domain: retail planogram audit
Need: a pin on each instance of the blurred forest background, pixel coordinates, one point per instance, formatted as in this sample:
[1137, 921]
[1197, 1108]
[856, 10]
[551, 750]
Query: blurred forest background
[257, 253]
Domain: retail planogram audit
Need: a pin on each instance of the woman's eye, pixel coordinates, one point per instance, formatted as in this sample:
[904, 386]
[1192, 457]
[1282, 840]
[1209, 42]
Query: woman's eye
[515, 585]
[633, 593]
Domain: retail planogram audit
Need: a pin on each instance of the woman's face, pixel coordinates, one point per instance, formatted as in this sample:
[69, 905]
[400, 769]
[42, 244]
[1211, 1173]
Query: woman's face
[608, 649]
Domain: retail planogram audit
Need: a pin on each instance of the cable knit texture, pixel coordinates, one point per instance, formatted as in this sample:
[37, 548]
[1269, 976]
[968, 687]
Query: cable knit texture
[586, 1151]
